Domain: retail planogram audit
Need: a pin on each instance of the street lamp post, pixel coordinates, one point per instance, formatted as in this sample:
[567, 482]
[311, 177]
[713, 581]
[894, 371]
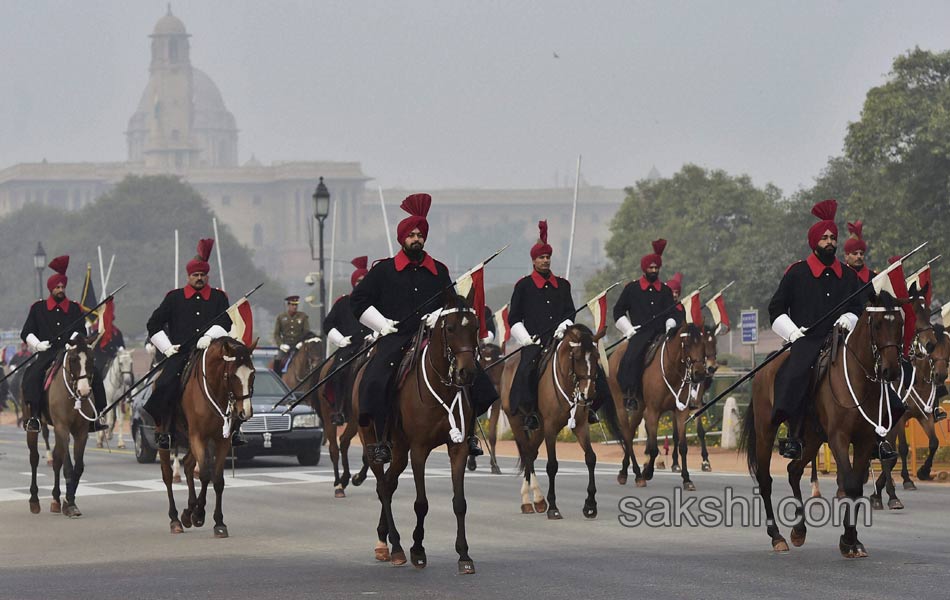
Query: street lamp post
[321, 202]
[39, 263]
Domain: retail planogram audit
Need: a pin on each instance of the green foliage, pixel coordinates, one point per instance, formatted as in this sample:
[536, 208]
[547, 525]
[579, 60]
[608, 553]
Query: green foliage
[136, 222]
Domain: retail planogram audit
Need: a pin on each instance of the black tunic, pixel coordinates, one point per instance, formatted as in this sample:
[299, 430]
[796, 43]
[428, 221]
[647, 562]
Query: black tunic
[541, 308]
[48, 325]
[182, 318]
[397, 287]
[643, 305]
[342, 319]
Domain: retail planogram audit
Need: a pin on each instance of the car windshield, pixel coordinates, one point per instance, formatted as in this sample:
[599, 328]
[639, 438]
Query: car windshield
[267, 384]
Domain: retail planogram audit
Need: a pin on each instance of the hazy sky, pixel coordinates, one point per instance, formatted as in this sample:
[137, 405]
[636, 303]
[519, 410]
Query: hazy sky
[442, 93]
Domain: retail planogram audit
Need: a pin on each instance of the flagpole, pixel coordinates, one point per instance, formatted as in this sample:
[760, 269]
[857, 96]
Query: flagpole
[109, 272]
[389, 235]
[102, 270]
[570, 247]
[332, 265]
[657, 316]
[175, 283]
[217, 247]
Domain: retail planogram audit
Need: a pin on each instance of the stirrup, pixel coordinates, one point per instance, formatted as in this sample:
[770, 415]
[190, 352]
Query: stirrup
[630, 401]
[238, 439]
[163, 440]
[531, 421]
[32, 425]
[379, 453]
[790, 448]
[337, 419]
[883, 451]
[939, 414]
[98, 425]
[592, 417]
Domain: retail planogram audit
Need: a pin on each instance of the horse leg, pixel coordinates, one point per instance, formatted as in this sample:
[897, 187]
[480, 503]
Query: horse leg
[165, 459]
[675, 467]
[902, 449]
[590, 459]
[851, 480]
[360, 477]
[887, 469]
[493, 435]
[652, 418]
[550, 441]
[77, 466]
[49, 453]
[176, 468]
[701, 434]
[60, 456]
[679, 426]
[386, 488]
[118, 423]
[344, 456]
[221, 449]
[330, 436]
[457, 455]
[417, 554]
[923, 472]
[32, 443]
[189, 516]
[204, 468]
[796, 469]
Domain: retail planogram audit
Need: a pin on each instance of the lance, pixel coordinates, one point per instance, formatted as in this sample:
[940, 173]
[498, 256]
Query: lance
[551, 329]
[371, 345]
[305, 378]
[660, 314]
[788, 345]
[64, 331]
[187, 342]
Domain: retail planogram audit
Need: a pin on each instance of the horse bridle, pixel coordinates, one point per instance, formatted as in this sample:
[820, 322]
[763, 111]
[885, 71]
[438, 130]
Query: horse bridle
[450, 355]
[78, 398]
[232, 400]
[874, 376]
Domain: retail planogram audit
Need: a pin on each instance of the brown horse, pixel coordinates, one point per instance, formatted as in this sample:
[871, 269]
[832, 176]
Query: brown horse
[566, 375]
[69, 408]
[218, 385]
[488, 355]
[709, 337]
[849, 406]
[306, 359]
[677, 368]
[432, 408]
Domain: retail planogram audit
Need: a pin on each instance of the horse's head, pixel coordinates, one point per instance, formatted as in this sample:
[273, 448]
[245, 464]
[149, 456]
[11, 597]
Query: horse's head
[312, 350]
[886, 325]
[237, 375]
[123, 362]
[940, 357]
[709, 341]
[579, 349]
[78, 366]
[693, 351]
[924, 337]
[455, 333]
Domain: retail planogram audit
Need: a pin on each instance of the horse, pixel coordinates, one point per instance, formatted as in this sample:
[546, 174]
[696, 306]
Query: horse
[116, 380]
[844, 398]
[339, 445]
[431, 408]
[218, 384]
[69, 407]
[709, 337]
[303, 364]
[674, 372]
[488, 355]
[566, 375]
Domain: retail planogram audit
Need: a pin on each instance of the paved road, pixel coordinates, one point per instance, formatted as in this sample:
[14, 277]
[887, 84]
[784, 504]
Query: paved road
[290, 539]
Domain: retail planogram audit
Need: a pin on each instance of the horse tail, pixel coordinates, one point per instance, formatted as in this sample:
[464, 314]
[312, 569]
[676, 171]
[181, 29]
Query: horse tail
[613, 421]
[747, 439]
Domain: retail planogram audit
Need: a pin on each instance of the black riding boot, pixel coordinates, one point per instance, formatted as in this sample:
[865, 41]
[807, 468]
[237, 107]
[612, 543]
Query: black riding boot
[32, 425]
[473, 448]
[791, 447]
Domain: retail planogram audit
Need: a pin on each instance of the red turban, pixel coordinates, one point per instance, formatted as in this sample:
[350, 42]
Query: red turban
[58, 264]
[676, 283]
[825, 211]
[542, 246]
[655, 258]
[360, 262]
[855, 241]
[199, 264]
[417, 205]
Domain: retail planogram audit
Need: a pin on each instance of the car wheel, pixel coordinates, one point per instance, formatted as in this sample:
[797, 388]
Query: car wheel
[309, 458]
[143, 452]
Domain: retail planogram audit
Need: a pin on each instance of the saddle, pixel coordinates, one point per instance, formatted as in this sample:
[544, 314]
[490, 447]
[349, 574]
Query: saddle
[53, 370]
[652, 349]
[189, 367]
[412, 352]
[285, 364]
[826, 354]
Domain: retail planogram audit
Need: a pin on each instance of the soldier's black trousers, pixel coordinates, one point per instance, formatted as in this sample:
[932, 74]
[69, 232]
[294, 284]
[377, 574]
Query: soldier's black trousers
[524, 386]
[794, 378]
[35, 375]
[167, 393]
[375, 388]
[630, 373]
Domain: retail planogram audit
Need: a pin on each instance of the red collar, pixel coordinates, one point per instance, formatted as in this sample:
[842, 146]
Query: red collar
[656, 285]
[205, 292]
[864, 274]
[817, 268]
[51, 304]
[539, 280]
[402, 261]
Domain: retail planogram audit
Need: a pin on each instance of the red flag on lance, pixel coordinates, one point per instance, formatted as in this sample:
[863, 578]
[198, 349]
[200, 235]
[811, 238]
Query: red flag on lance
[501, 324]
[87, 299]
[922, 278]
[693, 308]
[106, 320]
[242, 321]
[598, 310]
[891, 280]
[717, 307]
[475, 278]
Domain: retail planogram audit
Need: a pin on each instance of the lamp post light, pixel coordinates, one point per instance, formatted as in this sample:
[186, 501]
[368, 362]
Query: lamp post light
[321, 209]
[39, 263]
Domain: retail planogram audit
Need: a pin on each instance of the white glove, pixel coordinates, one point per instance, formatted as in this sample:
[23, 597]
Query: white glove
[562, 327]
[216, 331]
[432, 318]
[847, 321]
[172, 350]
[670, 324]
[785, 328]
[488, 338]
[338, 339]
[203, 342]
[796, 333]
[284, 348]
[35, 344]
[626, 327]
[162, 343]
[375, 320]
[369, 337]
[521, 335]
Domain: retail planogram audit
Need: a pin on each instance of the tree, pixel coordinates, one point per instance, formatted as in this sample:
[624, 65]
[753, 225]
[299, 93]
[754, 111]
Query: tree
[136, 221]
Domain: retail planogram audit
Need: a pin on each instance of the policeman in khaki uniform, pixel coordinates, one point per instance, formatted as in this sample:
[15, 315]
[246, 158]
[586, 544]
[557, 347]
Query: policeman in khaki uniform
[291, 328]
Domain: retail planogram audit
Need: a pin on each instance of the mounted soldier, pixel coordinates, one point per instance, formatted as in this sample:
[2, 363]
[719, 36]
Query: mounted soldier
[183, 313]
[291, 328]
[639, 315]
[343, 328]
[44, 333]
[541, 309]
[389, 300]
[107, 348]
[810, 289]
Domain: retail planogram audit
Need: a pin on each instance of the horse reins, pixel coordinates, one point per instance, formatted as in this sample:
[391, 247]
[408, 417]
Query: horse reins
[232, 400]
[578, 398]
[77, 399]
[687, 361]
[455, 432]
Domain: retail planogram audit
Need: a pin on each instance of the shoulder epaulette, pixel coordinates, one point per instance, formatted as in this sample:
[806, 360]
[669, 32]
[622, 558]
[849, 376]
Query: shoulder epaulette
[789, 267]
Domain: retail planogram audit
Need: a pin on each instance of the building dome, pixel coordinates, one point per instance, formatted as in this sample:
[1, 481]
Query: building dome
[169, 25]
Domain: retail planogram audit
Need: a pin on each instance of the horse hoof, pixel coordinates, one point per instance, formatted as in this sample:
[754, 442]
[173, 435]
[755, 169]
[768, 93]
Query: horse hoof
[798, 536]
[622, 479]
[176, 479]
[358, 480]
[175, 527]
[924, 475]
[466, 567]
[186, 518]
[527, 509]
[855, 550]
[472, 465]
[895, 504]
[495, 470]
[910, 485]
[339, 493]
[641, 482]
[98, 444]
[648, 473]
[541, 506]
[71, 511]
[35, 508]
[590, 512]
[675, 468]
[876, 503]
[418, 558]
[55, 507]
[398, 558]
[220, 531]
[198, 521]
[381, 553]
[780, 545]
[121, 446]
[689, 486]
[815, 492]
[49, 462]
[706, 466]
[554, 515]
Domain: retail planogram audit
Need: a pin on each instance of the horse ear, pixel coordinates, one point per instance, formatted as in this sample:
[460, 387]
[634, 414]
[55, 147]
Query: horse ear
[913, 291]
[253, 344]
